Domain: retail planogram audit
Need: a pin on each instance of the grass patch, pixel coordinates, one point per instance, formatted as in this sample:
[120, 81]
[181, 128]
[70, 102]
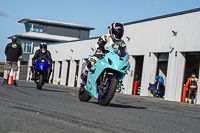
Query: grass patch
[1, 68]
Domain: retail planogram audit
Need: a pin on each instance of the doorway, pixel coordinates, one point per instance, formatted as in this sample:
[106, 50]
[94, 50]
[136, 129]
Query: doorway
[138, 74]
[76, 73]
[23, 70]
[162, 66]
[53, 69]
[162, 71]
[68, 68]
[59, 76]
[191, 67]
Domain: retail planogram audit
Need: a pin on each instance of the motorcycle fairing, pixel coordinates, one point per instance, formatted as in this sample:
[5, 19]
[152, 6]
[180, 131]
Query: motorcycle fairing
[42, 64]
[112, 62]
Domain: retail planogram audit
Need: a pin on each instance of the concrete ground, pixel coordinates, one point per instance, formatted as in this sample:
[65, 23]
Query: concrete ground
[58, 109]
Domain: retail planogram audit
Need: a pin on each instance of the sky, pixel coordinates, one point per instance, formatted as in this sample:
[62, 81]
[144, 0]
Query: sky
[95, 13]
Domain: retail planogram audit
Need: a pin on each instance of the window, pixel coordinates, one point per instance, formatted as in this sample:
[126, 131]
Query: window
[27, 47]
[36, 27]
[31, 26]
[51, 30]
[28, 27]
[45, 28]
[41, 28]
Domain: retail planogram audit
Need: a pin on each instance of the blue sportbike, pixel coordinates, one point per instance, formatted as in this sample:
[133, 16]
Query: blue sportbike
[104, 77]
[41, 71]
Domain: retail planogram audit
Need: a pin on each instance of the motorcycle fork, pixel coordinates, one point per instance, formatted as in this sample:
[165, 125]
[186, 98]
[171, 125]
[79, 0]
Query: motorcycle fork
[101, 80]
[105, 80]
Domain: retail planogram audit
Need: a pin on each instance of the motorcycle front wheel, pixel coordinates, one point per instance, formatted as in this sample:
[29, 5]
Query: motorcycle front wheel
[105, 96]
[40, 83]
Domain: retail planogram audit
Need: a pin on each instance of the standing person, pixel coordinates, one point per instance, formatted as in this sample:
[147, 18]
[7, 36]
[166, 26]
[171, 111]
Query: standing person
[12, 51]
[159, 81]
[192, 86]
[113, 39]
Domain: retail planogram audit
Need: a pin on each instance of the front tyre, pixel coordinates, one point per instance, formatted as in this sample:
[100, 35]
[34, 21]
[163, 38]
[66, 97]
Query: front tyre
[105, 97]
[82, 95]
[40, 83]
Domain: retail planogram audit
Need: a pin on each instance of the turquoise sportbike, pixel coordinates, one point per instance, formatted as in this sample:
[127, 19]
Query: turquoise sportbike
[104, 76]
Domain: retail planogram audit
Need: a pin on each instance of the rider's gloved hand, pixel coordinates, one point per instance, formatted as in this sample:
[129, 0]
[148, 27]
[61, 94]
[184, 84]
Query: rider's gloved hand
[89, 65]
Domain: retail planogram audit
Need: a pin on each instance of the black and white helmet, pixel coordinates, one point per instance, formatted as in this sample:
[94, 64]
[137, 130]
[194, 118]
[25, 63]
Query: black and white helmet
[116, 30]
[43, 47]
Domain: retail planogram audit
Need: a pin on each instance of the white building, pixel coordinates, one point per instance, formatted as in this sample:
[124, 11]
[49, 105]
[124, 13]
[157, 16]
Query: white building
[42, 30]
[167, 45]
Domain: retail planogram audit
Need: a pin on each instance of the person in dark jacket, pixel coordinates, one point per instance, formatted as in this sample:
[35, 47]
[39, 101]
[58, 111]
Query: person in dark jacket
[12, 51]
[45, 53]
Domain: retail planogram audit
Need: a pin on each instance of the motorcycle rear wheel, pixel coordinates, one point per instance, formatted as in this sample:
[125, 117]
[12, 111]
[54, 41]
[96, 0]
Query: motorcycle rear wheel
[105, 98]
[40, 83]
[82, 95]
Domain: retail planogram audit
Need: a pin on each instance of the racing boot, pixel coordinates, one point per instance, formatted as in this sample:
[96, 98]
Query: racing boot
[5, 82]
[84, 78]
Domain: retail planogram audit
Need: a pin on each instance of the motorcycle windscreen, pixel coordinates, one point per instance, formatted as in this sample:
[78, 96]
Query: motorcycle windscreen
[122, 51]
[42, 64]
[42, 59]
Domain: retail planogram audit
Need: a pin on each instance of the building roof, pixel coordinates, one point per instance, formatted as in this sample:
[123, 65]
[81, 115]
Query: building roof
[164, 16]
[57, 23]
[45, 36]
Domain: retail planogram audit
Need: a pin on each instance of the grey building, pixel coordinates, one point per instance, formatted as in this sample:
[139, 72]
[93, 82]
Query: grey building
[167, 46]
[41, 30]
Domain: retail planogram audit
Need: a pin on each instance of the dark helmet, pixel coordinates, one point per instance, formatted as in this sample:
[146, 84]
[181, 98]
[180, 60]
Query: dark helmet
[43, 45]
[116, 30]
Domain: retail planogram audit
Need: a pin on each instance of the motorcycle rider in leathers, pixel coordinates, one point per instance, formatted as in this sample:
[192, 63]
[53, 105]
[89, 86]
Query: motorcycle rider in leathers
[45, 53]
[113, 39]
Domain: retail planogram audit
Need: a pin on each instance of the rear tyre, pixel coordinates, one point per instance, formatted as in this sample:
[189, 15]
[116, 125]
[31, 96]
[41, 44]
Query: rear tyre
[104, 98]
[82, 95]
[40, 83]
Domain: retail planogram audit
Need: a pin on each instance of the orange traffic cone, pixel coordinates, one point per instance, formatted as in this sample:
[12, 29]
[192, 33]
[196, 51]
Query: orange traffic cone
[10, 78]
[184, 93]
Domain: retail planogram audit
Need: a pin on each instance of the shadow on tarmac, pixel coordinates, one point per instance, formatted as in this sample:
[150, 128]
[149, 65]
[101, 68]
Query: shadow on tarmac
[121, 106]
[44, 89]
[124, 106]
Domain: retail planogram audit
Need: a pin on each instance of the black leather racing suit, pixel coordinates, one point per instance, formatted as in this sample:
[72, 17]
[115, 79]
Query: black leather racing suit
[47, 54]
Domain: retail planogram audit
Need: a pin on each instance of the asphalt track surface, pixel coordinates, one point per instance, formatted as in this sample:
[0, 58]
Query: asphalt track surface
[55, 109]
